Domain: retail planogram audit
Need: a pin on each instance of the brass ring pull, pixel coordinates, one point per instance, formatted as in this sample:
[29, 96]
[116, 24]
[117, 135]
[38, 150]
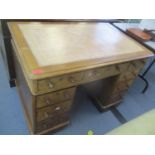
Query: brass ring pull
[66, 95]
[48, 101]
[57, 108]
[118, 68]
[90, 74]
[50, 85]
[46, 115]
[72, 79]
[97, 73]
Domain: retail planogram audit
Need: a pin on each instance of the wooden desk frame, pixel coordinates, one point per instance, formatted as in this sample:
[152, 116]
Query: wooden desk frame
[48, 98]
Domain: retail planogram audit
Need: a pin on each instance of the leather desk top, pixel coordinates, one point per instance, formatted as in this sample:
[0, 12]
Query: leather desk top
[51, 49]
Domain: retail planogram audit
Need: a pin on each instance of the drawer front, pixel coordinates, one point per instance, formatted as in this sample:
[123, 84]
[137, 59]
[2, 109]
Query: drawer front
[61, 82]
[128, 76]
[136, 65]
[123, 86]
[52, 122]
[55, 98]
[123, 67]
[49, 112]
[56, 83]
[99, 73]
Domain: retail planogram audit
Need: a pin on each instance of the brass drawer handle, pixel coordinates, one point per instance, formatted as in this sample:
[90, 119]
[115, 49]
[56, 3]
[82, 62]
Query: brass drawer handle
[57, 108]
[97, 73]
[118, 68]
[90, 74]
[66, 95]
[48, 101]
[50, 85]
[46, 115]
[72, 79]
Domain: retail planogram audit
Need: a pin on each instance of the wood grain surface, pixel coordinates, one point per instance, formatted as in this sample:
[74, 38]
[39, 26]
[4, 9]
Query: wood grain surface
[53, 58]
[56, 47]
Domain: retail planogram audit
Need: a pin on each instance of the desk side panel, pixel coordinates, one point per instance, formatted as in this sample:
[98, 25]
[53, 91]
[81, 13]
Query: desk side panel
[28, 100]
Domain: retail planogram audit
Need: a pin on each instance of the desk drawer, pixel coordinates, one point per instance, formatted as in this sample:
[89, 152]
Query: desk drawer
[52, 122]
[48, 112]
[64, 81]
[136, 65]
[128, 76]
[122, 86]
[123, 67]
[56, 83]
[56, 97]
[99, 73]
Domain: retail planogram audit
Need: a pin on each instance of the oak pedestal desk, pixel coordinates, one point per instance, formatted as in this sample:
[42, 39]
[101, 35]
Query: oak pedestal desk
[52, 59]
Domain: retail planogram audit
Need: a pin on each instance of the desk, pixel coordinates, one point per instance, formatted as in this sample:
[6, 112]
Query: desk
[52, 59]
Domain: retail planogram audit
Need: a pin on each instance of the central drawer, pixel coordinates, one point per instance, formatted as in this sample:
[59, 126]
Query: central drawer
[57, 109]
[102, 72]
[74, 79]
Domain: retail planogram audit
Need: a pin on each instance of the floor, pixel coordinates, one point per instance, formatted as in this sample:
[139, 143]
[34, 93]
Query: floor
[84, 116]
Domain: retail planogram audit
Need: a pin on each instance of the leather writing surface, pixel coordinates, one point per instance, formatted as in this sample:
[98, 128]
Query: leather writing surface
[63, 43]
[60, 47]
